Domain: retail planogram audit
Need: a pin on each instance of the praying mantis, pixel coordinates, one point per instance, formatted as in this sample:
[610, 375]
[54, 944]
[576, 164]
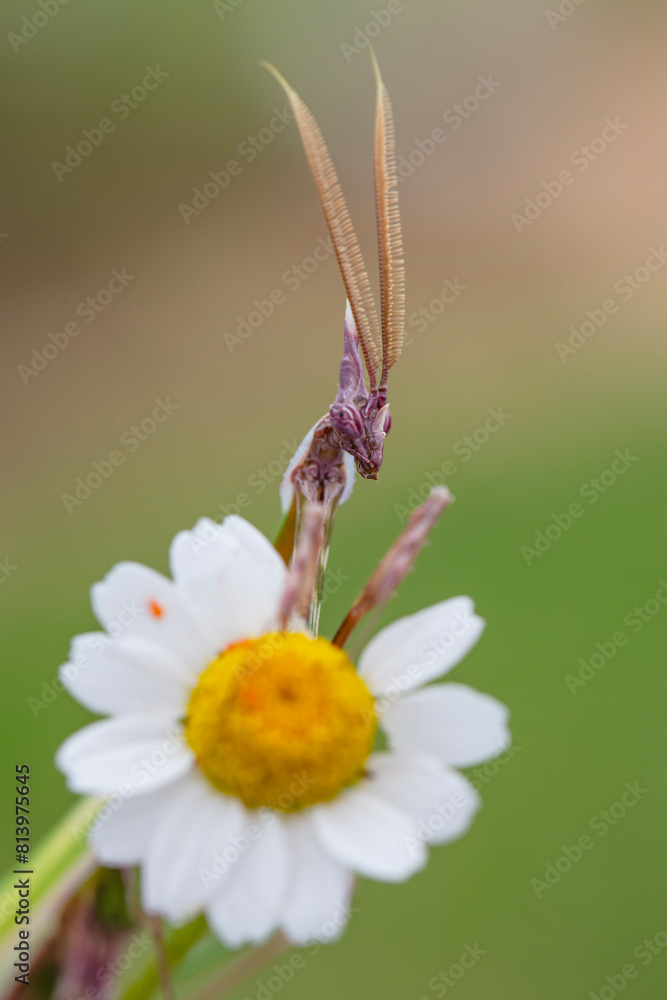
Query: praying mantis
[352, 432]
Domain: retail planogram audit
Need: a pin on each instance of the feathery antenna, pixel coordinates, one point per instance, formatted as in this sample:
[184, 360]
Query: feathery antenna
[339, 224]
[390, 241]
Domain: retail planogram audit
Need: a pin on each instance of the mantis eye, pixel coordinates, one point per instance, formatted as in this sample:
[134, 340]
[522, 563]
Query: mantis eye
[360, 402]
[346, 420]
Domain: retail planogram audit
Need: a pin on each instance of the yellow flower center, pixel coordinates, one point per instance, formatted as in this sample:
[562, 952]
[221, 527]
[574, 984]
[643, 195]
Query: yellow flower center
[283, 721]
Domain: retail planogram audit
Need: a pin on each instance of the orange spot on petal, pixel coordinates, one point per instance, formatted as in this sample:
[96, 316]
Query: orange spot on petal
[155, 609]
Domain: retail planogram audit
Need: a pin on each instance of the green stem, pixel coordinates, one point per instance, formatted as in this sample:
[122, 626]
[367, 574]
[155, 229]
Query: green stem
[176, 945]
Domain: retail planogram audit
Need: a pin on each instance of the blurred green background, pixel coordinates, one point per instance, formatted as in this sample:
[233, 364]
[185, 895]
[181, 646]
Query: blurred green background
[556, 77]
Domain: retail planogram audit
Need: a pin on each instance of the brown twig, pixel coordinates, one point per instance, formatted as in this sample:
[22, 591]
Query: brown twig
[161, 960]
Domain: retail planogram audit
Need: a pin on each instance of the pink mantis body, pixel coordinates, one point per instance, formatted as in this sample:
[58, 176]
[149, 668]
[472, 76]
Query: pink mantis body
[358, 420]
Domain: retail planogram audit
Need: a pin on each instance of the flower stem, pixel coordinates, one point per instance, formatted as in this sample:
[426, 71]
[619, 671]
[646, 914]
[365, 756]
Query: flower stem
[304, 567]
[318, 589]
[328, 508]
[161, 960]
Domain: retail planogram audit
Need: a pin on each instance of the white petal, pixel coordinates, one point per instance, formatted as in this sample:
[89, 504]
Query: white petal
[317, 906]
[126, 675]
[255, 544]
[415, 650]
[233, 575]
[454, 722]
[247, 907]
[441, 800]
[134, 600]
[370, 836]
[125, 754]
[184, 860]
[122, 829]
[286, 486]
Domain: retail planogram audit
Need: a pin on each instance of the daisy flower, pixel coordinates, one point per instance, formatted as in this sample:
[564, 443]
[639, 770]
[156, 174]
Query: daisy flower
[238, 760]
